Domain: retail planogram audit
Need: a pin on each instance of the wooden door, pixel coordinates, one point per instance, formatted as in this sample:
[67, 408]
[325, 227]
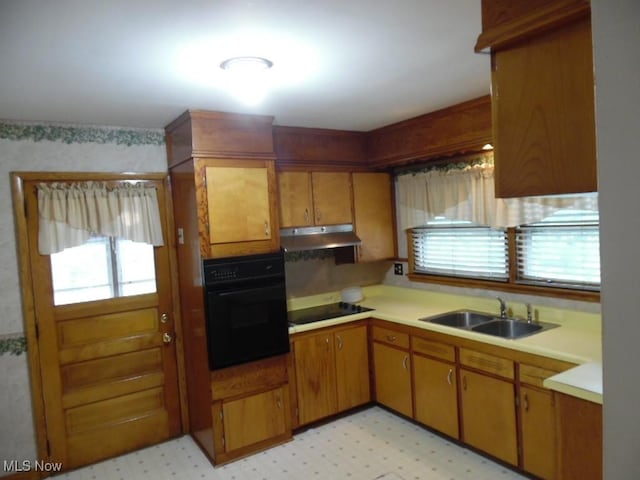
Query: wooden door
[332, 198]
[436, 394]
[296, 200]
[255, 418]
[489, 416]
[372, 206]
[352, 367]
[538, 433]
[393, 378]
[238, 202]
[315, 377]
[108, 367]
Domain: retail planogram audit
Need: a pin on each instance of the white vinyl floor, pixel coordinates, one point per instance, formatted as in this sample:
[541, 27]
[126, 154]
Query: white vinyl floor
[372, 444]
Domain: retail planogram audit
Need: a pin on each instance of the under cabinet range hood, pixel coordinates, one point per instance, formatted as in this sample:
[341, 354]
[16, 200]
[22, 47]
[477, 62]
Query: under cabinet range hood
[316, 238]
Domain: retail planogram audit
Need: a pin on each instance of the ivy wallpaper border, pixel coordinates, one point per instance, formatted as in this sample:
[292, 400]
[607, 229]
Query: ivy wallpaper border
[13, 344]
[80, 134]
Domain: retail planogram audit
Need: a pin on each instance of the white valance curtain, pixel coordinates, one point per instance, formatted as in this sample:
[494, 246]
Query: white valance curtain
[467, 193]
[71, 213]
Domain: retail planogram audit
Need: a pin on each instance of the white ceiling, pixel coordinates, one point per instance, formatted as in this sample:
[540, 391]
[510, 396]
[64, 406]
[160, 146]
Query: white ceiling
[345, 64]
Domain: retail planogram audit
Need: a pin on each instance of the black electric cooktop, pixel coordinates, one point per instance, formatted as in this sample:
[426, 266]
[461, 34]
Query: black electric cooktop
[324, 312]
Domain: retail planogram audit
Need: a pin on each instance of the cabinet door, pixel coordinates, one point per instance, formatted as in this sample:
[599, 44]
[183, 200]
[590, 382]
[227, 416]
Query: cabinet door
[543, 114]
[255, 418]
[352, 367]
[393, 378]
[489, 415]
[373, 218]
[436, 394]
[332, 198]
[296, 207]
[538, 434]
[238, 200]
[315, 377]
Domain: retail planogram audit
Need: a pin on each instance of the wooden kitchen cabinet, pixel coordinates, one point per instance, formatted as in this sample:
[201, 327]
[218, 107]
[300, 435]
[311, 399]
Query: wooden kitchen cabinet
[353, 384]
[332, 372]
[542, 97]
[537, 413]
[538, 434]
[435, 386]
[250, 409]
[257, 418]
[241, 215]
[372, 207]
[487, 403]
[315, 198]
[392, 366]
[579, 443]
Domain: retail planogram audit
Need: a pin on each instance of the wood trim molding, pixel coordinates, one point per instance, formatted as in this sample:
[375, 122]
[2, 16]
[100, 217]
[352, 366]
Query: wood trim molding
[503, 26]
[464, 127]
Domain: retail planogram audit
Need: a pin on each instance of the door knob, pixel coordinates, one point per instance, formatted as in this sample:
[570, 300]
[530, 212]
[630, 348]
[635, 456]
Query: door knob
[167, 338]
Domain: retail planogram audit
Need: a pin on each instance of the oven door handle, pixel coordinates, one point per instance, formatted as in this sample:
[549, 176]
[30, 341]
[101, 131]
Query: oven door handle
[262, 289]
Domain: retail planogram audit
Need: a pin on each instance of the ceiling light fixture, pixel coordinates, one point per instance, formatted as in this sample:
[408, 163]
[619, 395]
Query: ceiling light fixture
[246, 64]
[247, 80]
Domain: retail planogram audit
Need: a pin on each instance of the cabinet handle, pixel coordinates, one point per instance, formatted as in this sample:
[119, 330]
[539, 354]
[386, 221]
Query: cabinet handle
[526, 402]
[327, 342]
[278, 404]
[339, 342]
[404, 362]
[318, 215]
[464, 382]
[450, 377]
[306, 216]
[391, 338]
[266, 228]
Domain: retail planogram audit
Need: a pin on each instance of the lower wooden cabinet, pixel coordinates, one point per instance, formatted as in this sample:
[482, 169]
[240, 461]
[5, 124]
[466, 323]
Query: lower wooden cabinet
[332, 372]
[579, 427]
[436, 394]
[489, 415]
[250, 409]
[538, 434]
[254, 419]
[393, 378]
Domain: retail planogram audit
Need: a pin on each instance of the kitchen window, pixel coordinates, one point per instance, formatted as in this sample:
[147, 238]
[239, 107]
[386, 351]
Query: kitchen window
[103, 267]
[462, 249]
[561, 251]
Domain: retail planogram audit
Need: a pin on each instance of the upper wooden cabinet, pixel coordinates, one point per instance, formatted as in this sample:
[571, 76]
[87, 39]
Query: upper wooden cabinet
[372, 207]
[542, 97]
[240, 207]
[223, 178]
[316, 198]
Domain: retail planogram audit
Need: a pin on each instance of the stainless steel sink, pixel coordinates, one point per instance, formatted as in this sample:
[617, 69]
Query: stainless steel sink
[489, 324]
[460, 318]
[509, 328]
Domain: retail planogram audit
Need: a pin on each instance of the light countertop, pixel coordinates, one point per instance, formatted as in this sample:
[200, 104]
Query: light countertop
[576, 340]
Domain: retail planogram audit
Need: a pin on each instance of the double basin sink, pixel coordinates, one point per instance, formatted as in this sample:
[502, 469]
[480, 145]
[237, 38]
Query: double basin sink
[489, 324]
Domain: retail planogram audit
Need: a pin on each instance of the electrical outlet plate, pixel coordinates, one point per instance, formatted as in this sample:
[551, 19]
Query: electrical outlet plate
[397, 269]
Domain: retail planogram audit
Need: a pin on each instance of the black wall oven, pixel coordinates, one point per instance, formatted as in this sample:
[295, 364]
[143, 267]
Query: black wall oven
[246, 309]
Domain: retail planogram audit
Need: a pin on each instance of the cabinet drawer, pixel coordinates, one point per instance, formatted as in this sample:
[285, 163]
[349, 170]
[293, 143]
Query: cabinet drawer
[534, 375]
[391, 337]
[433, 349]
[249, 377]
[487, 363]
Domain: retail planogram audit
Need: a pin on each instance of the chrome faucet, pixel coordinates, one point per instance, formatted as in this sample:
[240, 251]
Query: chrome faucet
[529, 313]
[503, 307]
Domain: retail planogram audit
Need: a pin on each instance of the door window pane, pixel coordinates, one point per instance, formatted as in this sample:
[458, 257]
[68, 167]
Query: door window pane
[104, 267]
